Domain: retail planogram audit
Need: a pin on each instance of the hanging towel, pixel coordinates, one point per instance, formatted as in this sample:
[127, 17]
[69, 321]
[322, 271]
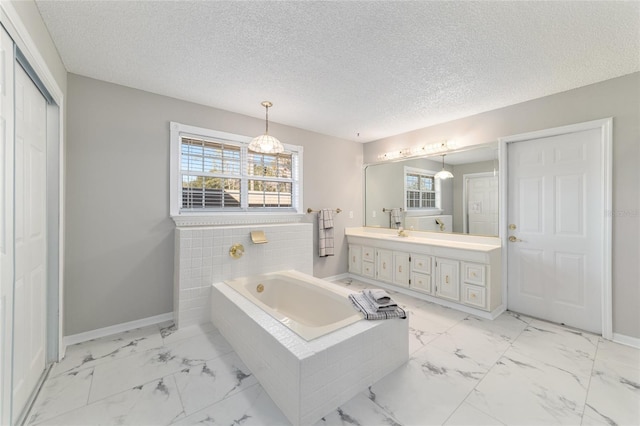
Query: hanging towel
[396, 217]
[362, 303]
[325, 233]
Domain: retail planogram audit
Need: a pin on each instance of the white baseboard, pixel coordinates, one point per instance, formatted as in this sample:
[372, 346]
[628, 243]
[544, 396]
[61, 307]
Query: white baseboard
[114, 329]
[634, 342]
[336, 277]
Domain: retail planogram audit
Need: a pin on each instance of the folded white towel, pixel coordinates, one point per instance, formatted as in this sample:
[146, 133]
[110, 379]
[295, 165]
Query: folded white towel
[362, 303]
[379, 295]
[390, 305]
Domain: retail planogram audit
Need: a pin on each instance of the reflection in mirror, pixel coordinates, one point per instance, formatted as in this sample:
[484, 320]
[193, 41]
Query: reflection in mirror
[406, 194]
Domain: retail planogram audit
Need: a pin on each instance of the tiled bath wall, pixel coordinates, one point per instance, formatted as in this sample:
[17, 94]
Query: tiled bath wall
[202, 258]
[308, 380]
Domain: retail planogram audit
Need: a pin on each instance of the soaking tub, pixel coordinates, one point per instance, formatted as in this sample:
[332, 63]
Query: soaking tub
[309, 306]
[308, 347]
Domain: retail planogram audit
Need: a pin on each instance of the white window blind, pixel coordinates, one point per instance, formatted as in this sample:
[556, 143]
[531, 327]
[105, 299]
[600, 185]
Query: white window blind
[422, 190]
[220, 174]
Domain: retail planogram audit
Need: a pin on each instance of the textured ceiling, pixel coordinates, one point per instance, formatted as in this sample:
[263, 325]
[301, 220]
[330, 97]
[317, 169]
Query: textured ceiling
[342, 68]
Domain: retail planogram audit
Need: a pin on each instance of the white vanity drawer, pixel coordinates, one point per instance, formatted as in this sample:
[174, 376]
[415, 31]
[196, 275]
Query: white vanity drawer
[474, 273]
[421, 263]
[368, 254]
[421, 282]
[368, 269]
[474, 296]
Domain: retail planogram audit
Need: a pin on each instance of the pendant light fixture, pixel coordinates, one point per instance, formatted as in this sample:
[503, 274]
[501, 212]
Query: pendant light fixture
[443, 174]
[266, 143]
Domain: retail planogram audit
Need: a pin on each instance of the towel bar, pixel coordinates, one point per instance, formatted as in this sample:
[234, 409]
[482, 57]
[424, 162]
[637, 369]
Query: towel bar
[309, 210]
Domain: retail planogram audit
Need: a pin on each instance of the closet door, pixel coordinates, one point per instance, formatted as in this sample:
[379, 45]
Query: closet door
[6, 223]
[30, 239]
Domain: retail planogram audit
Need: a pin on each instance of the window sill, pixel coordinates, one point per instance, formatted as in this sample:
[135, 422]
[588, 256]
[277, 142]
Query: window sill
[423, 212]
[221, 219]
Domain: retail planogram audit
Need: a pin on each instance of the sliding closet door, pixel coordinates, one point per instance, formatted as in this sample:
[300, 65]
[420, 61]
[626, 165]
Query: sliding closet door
[6, 223]
[30, 239]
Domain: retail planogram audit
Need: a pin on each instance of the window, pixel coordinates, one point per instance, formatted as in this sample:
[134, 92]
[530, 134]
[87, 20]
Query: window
[422, 190]
[214, 173]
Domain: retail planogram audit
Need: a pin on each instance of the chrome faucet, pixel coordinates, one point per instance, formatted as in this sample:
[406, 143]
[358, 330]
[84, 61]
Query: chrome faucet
[441, 223]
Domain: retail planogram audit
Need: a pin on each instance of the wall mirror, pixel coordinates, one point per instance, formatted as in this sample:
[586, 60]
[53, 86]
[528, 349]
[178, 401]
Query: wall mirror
[404, 193]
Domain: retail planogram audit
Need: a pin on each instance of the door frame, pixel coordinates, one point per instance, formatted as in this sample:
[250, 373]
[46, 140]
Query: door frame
[12, 22]
[605, 126]
[465, 178]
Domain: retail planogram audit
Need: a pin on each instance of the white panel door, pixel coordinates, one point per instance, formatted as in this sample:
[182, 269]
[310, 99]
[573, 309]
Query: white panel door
[555, 210]
[6, 223]
[482, 204]
[30, 239]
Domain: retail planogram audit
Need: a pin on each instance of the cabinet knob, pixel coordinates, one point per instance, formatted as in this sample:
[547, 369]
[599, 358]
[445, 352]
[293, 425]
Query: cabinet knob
[473, 296]
[446, 279]
[420, 264]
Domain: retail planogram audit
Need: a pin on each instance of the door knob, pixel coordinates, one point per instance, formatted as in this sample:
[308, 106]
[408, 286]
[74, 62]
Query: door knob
[514, 239]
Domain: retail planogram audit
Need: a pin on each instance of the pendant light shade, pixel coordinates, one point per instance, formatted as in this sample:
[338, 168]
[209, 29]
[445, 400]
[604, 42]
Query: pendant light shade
[266, 143]
[443, 174]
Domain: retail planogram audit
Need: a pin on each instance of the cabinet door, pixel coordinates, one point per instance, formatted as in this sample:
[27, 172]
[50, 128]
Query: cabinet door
[474, 296]
[421, 263]
[368, 254]
[474, 273]
[421, 282]
[368, 269]
[384, 265]
[448, 279]
[401, 269]
[355, 259]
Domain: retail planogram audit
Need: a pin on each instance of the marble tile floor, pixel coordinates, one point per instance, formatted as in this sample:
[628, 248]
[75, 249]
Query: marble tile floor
[463, 370]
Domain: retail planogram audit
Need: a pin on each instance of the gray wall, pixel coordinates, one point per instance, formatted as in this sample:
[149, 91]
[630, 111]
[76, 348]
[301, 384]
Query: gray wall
[617, 98]
[119, 236]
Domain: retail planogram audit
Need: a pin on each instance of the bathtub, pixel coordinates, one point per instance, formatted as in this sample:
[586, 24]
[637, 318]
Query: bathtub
[308, 306]
[305, 344]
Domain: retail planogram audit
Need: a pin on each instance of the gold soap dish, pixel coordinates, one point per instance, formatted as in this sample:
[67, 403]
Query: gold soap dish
[258, 237]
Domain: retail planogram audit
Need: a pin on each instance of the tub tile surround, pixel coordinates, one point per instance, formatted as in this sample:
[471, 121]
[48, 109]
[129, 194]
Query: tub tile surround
[441, 384]
[202, 258]
[308, 379]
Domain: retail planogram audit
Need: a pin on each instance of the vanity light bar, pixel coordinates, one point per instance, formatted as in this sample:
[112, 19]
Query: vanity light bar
[433, 148]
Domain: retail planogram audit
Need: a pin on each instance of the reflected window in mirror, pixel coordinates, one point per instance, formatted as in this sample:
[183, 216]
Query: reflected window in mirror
[421, 191]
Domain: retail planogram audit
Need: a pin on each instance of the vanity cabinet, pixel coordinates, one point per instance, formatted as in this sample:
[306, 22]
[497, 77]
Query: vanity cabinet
[401, 268]
[462, 275]
[474, 292]
[384, 265]
[447, 279]
[355, 259]
[421, 273]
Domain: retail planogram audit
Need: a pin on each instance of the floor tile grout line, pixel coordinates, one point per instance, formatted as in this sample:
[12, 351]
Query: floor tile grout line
[509, 346]
[586, 396]
[224, 399]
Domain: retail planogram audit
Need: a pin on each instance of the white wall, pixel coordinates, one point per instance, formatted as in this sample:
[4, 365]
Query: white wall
[617, 98]
[120, 238]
